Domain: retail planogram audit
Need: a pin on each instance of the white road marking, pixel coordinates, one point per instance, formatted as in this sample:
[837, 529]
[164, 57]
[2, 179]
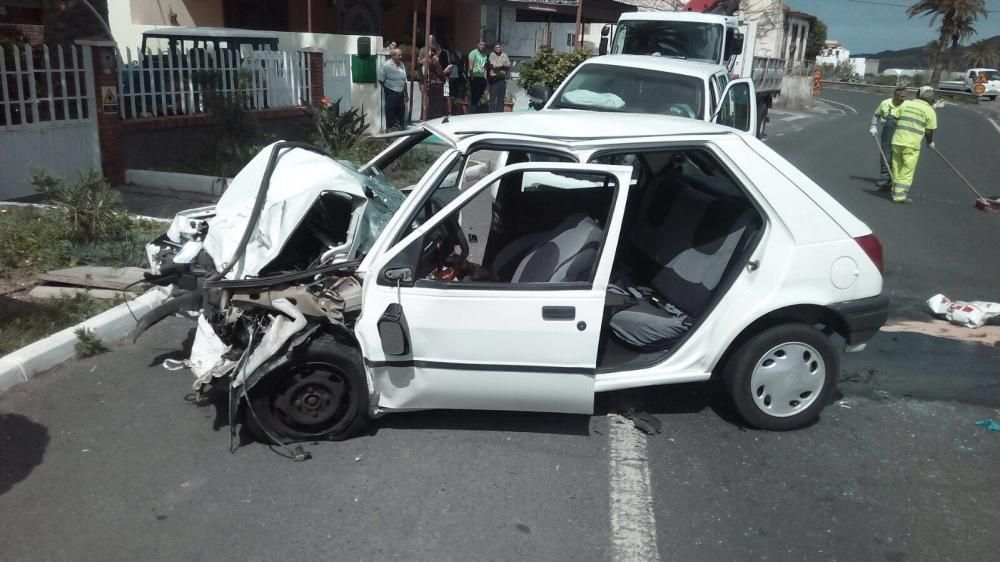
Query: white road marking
[633, 525]
[994, 123]
[794, 117]
[854, 111]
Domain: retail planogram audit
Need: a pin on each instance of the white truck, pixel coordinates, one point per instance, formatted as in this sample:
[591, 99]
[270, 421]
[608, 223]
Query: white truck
[989, 78]
[714, 38]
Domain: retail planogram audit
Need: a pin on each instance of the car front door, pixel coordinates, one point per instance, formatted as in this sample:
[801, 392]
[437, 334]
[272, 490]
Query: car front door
[496, 301]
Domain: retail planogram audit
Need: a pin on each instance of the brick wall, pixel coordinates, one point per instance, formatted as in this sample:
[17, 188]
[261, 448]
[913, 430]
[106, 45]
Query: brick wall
[66, 21]
[172, 141]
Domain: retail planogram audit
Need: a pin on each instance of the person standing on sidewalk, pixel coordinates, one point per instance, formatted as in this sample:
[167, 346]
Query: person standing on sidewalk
[393, 77]
[498, 72]
[887, 113]
[477, 76]
[917, 121]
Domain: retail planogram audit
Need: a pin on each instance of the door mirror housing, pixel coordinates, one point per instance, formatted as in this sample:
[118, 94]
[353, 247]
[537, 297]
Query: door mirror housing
[602, 49]
[738, 106]
[734, 44]
[538, 95]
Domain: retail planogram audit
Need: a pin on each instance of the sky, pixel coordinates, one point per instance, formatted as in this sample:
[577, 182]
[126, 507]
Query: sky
[865, 27]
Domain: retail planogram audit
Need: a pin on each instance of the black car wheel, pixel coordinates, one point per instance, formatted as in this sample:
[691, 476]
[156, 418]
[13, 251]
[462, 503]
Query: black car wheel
[320, 393]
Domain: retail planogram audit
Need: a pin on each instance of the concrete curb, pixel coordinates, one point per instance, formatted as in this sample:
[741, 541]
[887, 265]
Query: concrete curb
[110, 325]
[176, 181]
[41, 207]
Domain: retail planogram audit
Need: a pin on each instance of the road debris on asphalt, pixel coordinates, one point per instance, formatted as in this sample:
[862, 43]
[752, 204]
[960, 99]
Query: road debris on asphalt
[990, 424]
[644, 421]
[972, 314]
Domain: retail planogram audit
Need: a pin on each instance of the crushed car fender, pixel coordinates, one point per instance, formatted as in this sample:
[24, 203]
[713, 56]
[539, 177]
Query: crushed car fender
[282, 328]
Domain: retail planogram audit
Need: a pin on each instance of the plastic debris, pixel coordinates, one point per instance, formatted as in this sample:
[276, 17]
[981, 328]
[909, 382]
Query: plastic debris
[973, 314]
[644, 421]
[989, 424]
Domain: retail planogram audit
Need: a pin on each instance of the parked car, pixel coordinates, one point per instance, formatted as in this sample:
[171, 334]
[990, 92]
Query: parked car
[608, 251]
[983, 82]
[661, 85]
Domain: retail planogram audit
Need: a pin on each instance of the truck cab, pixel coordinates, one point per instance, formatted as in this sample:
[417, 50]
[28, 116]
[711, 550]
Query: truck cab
[684, 35]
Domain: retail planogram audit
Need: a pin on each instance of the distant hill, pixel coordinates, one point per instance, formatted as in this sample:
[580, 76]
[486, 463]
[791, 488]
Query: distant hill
[916, 57]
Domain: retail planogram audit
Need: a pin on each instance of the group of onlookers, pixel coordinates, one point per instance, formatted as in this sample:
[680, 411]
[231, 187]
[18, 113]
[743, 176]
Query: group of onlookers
[447, 76]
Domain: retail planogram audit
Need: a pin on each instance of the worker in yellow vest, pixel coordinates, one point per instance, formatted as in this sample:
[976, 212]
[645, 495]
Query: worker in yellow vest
[887, 113]
[917, 121]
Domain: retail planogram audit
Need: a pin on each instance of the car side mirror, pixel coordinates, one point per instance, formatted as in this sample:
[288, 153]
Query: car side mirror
[602, 48]
[538, 95]
[734, 44]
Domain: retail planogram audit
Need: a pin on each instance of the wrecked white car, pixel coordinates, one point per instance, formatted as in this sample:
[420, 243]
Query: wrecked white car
[539, 259]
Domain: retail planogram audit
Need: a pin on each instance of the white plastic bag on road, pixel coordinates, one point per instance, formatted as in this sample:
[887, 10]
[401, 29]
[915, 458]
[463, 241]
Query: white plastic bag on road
[969, 314]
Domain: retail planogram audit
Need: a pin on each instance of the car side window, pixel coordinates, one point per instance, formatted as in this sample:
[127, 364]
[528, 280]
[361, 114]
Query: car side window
[527, 228]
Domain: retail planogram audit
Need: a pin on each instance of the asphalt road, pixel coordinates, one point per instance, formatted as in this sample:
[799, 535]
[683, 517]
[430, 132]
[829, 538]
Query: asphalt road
[104, 459]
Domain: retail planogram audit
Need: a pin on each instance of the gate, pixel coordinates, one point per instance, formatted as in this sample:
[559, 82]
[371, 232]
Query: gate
[48, 115]
[337, 79]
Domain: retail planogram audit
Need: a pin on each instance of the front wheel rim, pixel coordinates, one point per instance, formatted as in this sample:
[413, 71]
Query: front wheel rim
[788, 379]
[313, 399]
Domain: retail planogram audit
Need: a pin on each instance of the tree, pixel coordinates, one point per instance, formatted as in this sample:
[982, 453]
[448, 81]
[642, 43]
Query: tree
[981, 55]
[817, 40]
[957, 17]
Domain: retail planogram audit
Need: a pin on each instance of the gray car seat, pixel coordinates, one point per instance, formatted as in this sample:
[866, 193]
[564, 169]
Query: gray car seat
[685, 235]
[564, 254]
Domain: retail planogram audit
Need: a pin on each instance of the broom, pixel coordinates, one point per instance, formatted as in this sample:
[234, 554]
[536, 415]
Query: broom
[982, 203]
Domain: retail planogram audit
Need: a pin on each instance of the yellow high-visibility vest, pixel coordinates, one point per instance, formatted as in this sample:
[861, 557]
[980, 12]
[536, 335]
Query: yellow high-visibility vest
[886, 109]
[915, 118]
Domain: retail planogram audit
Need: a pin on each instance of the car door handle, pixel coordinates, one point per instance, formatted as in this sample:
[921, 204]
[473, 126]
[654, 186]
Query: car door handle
[559, 313]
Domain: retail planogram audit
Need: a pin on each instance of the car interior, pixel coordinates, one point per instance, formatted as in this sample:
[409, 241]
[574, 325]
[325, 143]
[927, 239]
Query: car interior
[688, 229]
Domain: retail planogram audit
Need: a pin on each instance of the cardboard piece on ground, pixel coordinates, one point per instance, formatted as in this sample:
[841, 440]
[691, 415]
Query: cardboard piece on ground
[96, 277]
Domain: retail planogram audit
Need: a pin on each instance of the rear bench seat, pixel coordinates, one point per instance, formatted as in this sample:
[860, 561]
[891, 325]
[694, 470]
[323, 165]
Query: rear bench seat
[685, 233]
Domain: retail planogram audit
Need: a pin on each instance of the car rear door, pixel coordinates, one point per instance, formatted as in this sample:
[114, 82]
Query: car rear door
[441, 337]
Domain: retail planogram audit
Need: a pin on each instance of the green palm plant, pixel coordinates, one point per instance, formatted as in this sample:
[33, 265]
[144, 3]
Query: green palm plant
[981, 54]
[957, 19]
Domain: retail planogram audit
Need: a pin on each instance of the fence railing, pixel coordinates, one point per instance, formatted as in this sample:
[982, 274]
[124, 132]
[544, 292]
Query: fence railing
[173, 82]
[43, 85]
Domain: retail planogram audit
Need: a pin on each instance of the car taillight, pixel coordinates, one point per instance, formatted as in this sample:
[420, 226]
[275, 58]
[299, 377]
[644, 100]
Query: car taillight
[736, 76]
[873, 248]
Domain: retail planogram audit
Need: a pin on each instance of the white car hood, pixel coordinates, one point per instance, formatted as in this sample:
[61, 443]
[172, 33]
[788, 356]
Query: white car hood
[299, 178]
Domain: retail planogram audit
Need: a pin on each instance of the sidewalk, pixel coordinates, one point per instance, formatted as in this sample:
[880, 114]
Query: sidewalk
[161, 203]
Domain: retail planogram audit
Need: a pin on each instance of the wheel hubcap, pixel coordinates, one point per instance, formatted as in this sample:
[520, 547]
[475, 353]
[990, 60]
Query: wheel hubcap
[787, 379]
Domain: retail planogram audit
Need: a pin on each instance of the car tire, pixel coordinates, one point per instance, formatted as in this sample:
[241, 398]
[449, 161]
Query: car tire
[782, 377]
[321, 392]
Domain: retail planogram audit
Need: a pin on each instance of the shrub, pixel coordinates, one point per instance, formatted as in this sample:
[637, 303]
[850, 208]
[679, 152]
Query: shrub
[335, 132]
[91, 208]
[234, 126]
[550, 68]
[88, 344]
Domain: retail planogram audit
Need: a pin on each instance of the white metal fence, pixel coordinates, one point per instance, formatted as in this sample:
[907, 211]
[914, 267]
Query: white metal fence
[47, 115]
[41, 85]
[172, 82]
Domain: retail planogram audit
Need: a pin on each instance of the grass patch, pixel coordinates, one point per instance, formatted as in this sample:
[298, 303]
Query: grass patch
[31, 243]
[28, 321]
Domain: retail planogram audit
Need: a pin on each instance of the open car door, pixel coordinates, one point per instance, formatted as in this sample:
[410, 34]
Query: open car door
[496, 301]
[738, 106]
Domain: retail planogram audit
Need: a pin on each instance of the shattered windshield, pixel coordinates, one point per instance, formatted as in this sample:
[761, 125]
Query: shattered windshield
[391, 177]
[599, 87]
[683, 39]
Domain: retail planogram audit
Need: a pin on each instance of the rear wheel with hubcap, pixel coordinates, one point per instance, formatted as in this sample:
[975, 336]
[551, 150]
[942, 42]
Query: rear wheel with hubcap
[782, 377]
[320, 393]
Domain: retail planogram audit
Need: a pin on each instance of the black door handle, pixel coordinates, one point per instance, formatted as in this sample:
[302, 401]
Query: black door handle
[565, 313]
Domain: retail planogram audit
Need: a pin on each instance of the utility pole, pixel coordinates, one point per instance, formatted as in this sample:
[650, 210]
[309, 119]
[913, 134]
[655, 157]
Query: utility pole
[579, 24]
